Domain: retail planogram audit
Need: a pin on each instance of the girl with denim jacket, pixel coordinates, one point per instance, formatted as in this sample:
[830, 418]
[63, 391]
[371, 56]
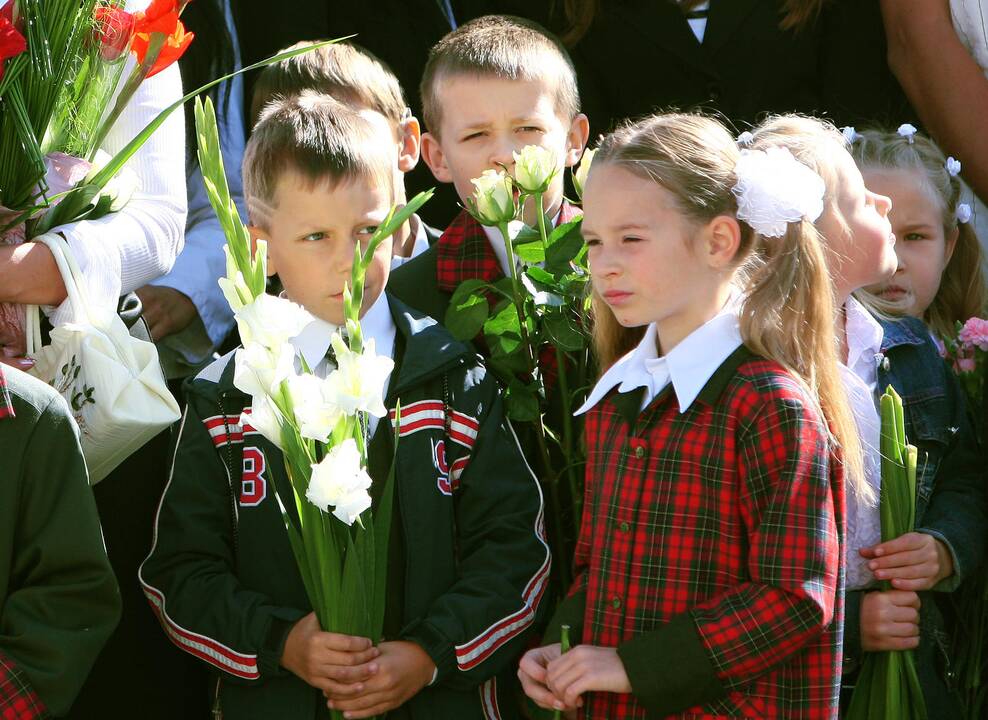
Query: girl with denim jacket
[949, 539]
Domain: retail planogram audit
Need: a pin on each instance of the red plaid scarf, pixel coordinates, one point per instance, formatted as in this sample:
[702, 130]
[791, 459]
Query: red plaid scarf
[464, 253]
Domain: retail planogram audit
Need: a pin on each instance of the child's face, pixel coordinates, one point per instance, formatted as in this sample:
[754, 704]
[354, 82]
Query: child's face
[922, 247]
[486, 119]
[647, 262]
[311, 237]
[857, 232]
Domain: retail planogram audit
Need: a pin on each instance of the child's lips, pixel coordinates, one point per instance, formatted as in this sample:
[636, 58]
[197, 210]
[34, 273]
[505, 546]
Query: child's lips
[894, 292]
[616, 297]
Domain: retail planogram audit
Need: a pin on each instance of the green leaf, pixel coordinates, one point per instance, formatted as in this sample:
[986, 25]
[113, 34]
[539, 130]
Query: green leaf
[468, 310]
[522, 401]
[546, 279]
[561, 231]
[564, 250]
[564, 332]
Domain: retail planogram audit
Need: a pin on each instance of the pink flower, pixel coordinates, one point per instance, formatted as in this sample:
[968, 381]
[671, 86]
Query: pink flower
[975, 333]
[966, 364]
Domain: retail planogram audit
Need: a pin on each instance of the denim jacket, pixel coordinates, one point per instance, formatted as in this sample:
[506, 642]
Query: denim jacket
[951, 500]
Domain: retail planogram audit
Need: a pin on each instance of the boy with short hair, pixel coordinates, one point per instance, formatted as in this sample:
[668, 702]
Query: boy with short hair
[358, 79]
[468, 562]
[491, 87]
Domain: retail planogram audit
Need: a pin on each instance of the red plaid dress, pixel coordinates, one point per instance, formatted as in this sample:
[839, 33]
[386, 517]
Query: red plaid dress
[18, 701]
[710, 553]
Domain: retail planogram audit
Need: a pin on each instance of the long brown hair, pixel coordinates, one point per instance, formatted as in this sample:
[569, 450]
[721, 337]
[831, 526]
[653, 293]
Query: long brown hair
[579, 15]
[788, 310]
[962, 286]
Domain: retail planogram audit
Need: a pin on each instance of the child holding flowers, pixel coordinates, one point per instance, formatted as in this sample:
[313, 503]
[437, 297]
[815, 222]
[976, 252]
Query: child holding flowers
[491, 87]
[467, 562]
[948, 543]
[709, 557]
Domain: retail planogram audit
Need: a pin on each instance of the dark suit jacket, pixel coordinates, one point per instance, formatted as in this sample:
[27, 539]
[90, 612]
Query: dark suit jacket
[640, 56]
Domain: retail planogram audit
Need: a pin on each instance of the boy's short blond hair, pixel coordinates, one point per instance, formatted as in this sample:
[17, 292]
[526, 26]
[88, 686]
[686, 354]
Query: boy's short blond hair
[501, 46]
[319, 139]
[343, 70]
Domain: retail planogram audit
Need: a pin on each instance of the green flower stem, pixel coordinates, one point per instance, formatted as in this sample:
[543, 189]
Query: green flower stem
[548, 476]
[542, 231]
[564, 644]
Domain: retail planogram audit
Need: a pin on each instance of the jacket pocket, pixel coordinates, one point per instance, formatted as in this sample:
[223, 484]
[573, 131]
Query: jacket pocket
[931, 434]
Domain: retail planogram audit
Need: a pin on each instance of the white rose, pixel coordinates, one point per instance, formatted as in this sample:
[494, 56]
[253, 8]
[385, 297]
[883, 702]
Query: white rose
[493, 199]
[357, 385]
[341, 483]
[315, 410]
[580, 176]
[259, 370]
[535, 167]
[271, 321]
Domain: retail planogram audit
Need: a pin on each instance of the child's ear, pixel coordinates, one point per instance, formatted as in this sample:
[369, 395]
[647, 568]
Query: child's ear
[576, 139]
[723, 238]
[434, 157]
[410, 144]
[256, 234]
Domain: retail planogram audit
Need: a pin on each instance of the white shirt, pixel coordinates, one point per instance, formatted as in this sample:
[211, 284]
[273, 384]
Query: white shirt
[377, 324]
[125, 250]
[496, 240]
[699, 25]
[202, 261]
[688, 366]
[860, 376]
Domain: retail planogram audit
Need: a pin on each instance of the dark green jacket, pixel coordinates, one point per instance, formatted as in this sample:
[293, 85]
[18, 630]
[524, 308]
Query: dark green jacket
[224, 581]
[59, 601]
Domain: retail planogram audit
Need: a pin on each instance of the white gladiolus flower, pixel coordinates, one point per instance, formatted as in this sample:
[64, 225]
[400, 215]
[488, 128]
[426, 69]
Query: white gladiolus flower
[357, 385]
[580, 176]
[259, 370]
[265, 418]
[494, 200]
[271, 321]
[535, 167]
[235, 290]
[341, 483]
[315, 411]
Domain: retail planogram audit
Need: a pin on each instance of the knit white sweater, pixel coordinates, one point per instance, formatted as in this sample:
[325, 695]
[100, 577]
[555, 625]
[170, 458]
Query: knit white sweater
[125, 250]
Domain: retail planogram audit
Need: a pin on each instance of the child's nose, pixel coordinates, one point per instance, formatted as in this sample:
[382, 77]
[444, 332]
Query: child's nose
[884, 204]
[501, 155]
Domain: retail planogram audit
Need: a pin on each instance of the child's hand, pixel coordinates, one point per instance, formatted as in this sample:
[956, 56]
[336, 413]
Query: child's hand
[403, 668]
[328, 661]
[889, 620]
[914, 561]
[584, 668]
[532, 671]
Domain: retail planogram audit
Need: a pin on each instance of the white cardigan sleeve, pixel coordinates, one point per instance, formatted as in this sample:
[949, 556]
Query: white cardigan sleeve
[125, 250]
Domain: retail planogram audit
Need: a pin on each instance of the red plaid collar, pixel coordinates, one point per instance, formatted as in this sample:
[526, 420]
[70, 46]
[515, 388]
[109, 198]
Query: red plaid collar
[6, 406]
[463, 252]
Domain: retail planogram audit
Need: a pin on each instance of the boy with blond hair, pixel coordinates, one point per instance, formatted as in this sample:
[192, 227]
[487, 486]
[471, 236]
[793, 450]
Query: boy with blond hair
[468, 562]
[490, 87]
[358, 79]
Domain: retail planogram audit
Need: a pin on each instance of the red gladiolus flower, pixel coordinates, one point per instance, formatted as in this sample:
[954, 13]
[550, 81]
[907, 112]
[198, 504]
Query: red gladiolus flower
[161, 17]
[115, 28]
[11, 41]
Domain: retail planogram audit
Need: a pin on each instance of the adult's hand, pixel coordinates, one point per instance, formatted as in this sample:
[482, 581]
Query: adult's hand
[166, 310]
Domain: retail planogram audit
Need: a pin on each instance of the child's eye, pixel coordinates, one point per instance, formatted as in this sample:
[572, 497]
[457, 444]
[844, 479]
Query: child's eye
[314, 237]
[368, 230]
[473, 136]
[591, 242]
[914, 236]
[530, 129]
[631, 238]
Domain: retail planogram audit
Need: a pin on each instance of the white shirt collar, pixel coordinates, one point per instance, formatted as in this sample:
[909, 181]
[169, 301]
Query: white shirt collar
[864, 336]
[689, 365]
[420, 246]
[314, 340]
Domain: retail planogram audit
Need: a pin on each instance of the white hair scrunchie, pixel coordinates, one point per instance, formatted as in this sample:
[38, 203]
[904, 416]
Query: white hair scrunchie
[774, 189]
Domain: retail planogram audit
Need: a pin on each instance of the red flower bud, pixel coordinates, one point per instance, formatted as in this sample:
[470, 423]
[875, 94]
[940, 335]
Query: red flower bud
[11, 41]
[115, 28]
